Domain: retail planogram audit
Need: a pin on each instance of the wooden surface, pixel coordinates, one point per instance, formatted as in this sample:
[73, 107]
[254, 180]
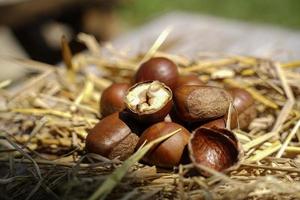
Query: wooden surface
[193, 33]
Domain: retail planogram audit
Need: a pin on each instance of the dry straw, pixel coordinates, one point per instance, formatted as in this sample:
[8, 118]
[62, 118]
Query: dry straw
[44, 122]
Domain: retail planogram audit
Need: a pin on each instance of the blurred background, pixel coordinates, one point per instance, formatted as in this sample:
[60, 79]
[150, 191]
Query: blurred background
[33, 28]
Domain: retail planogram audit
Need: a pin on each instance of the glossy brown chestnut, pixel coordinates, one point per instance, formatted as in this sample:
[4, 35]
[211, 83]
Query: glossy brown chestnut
[158, 68]
[222, 121]
[170, 152]
[217, 149]
[111, 137]
[149, 101]
[201, 103]
[244, 105]
[218, 123]
[190, 79]
[112, 98]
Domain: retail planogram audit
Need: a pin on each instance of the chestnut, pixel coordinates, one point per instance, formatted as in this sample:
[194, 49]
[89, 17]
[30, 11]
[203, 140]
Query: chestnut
[111, 137]
[170, 152]
[149, 101]
[190, 79]
[244, 105]
[158, 68]
[112, 98]
[217, 149]
[222, 121]
[218, 123]
[201, 103]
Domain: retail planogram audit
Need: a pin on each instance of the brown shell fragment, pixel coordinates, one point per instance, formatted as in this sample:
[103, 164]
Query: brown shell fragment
[217, 149]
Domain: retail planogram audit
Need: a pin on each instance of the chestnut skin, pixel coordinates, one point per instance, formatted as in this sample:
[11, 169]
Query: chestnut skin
[111, 137]
[190, 79]
[170, 152]
[112, 98]
[217, 149]
[244, 105]
[201, 103]
[158, 68]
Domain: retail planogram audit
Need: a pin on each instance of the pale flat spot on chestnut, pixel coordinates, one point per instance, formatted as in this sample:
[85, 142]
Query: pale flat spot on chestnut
[200, 103]
[148, 97]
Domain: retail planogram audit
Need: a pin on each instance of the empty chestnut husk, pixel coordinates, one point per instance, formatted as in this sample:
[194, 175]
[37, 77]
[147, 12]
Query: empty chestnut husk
[218, 149]
[170, 152]
[244, 105]
[112, 98]
[158, 68]
[111, 138]
[201, 103]
[149, 101]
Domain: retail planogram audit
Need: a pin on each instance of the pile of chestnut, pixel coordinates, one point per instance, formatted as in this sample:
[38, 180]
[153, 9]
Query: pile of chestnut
[161, 101]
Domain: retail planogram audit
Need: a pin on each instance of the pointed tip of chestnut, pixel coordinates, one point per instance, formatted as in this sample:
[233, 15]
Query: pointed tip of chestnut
[112, 98]
[200, 103]
[111, 138]
[217, 149]
[149, 101]
[158, 68]
[170, 152]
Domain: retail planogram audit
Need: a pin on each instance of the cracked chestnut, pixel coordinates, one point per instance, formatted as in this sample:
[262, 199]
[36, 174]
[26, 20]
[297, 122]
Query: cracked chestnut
[111, 138]
[149, 101]
[158, 68]
[201, 103]
[112, 98]
[217, 149]
[170, 152]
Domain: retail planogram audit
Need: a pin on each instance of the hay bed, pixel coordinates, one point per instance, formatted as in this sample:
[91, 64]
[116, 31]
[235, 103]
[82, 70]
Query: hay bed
[44, 120]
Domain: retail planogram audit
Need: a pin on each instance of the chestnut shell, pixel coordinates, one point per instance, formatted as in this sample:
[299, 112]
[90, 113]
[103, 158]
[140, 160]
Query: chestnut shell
[170, 152]
[158, 68]
[112, 98]
[111, 137]
[214, 148]
[201, 103]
